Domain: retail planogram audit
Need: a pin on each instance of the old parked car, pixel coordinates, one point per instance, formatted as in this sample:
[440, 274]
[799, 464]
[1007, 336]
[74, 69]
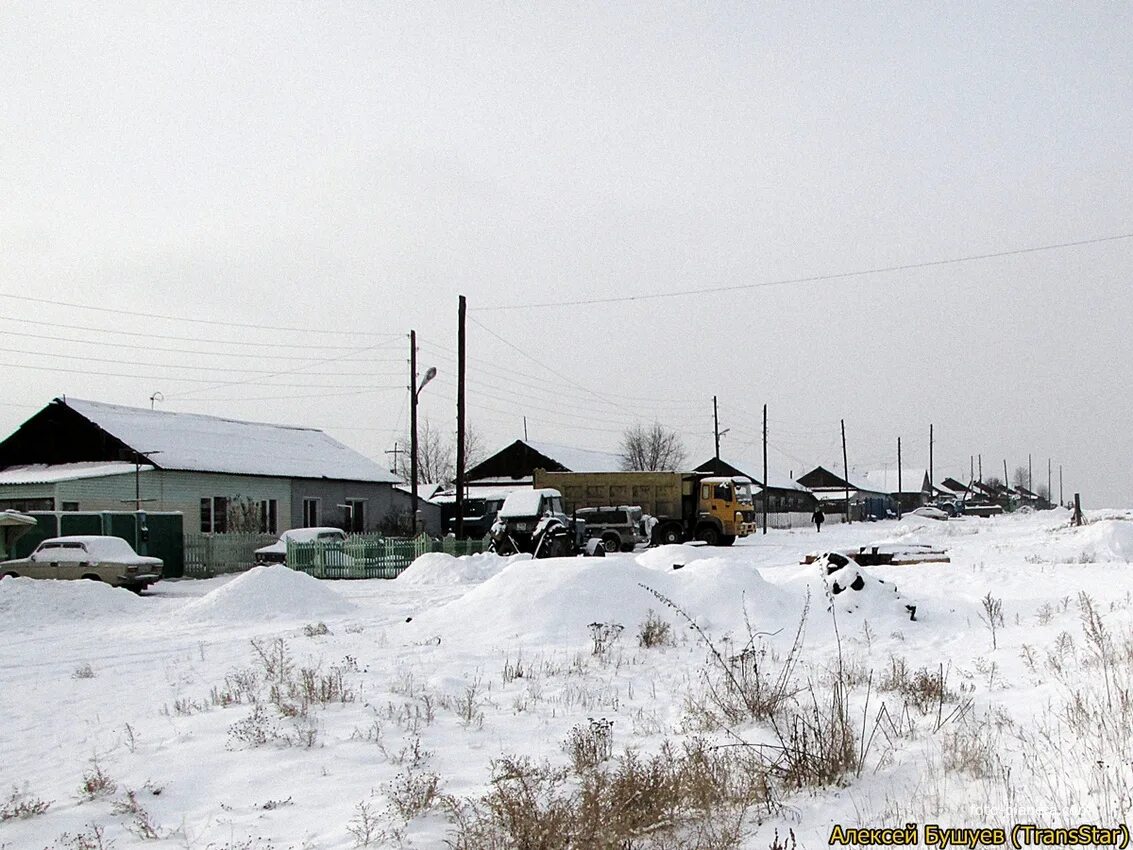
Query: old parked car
[108, 559]
[276, 553]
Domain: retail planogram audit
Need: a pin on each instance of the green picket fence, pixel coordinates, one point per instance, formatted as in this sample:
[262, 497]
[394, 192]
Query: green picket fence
[371, 556]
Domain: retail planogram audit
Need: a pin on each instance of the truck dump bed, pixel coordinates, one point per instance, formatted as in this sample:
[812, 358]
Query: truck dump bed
[659, 494]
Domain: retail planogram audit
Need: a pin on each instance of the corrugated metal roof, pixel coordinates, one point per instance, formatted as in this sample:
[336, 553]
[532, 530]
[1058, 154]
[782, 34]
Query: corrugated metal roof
[199, 443]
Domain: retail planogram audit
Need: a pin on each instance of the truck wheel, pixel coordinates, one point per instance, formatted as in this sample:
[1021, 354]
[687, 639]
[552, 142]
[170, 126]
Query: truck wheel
[611, 541]
[709, 535]
[727, 539]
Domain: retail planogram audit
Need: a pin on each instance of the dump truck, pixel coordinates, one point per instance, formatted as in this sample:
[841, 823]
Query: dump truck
[684, 505]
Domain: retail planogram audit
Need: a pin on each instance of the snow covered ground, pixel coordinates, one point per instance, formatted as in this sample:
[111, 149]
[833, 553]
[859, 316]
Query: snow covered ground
[271, 710]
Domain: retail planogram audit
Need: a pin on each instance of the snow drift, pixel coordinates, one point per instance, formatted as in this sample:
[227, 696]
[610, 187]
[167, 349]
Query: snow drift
[439, 568]
[267, 593]
[38, 602]
[554, 600]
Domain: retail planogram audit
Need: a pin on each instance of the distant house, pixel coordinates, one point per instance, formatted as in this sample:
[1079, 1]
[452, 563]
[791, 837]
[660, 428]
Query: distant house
[516, 463]
[911, 489]
[832, 492]
[788, 503]
[221, 474]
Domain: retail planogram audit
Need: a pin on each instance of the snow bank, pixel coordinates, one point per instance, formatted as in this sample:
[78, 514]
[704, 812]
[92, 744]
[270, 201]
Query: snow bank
[266, 593]
[554, 600]
[1106, 541]
[439, 568]
[663, 557]
[37, 602]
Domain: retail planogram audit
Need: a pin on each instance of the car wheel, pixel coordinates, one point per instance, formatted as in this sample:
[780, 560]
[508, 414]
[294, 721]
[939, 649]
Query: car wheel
[670, 534]
[611, 542]
[709, 535]
[9, 575]
[92, 577]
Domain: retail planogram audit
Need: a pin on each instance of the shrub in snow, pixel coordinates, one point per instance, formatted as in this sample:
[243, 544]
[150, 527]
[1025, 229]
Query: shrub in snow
[654, 631]
[591, 745]
[21, 804]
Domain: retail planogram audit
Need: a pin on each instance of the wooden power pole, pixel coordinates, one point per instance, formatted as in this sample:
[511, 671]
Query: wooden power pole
[900, 489]
[413, 429]
[716, 429]
[846, 471]
[460, 419]
[931, 479]
[765, 469]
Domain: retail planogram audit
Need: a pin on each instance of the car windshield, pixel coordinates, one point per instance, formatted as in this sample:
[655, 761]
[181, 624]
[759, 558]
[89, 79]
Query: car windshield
[743, 492]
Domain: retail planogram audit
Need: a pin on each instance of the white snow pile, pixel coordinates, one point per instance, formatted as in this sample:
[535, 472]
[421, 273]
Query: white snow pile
[1105, 541]
[439, 568]
[664, 557]
[853, 590]
[267, 593]
[38, 602]
[554, 600]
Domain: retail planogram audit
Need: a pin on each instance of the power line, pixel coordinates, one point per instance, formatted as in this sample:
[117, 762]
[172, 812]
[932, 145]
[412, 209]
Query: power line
[149, 334]
[169, 378]
[117, 362]
[811, 279]
[253, 326]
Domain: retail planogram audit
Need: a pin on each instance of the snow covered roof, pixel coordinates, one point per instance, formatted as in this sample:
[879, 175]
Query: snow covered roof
[195, 442]
[41, 473]
[579, 460]
[885, 480]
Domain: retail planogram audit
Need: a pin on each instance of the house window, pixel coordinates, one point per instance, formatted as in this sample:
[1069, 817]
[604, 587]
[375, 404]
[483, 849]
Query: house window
[310, 513]
[214, 515]
[70, 506]
[354, 515]
[269, 512]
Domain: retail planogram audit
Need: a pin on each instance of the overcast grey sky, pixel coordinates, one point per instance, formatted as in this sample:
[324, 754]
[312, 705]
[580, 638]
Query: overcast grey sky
[350, 168]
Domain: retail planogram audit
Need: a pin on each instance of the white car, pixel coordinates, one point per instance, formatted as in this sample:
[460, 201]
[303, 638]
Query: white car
[276, 553]
[94, 557]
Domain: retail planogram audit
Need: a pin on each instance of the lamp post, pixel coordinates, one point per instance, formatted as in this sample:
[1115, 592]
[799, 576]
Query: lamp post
[415, 392]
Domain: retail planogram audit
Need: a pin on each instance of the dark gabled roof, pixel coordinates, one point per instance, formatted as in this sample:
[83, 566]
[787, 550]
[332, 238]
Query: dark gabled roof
[520, 459]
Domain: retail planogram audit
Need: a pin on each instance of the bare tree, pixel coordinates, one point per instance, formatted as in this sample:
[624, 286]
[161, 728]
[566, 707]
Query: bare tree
[436, 454]
[651, 447]
[1021, 477]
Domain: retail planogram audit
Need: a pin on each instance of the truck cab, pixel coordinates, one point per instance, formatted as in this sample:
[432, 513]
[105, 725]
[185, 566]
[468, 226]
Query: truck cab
[725, 510]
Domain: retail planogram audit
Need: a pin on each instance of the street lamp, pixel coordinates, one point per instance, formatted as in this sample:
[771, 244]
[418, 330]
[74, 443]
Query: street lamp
[415, 392]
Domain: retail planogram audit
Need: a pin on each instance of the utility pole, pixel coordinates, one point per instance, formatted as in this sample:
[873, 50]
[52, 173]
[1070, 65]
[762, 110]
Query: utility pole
[460, 418]
[845, 471]
[525, 429]
[971, 467]
[1030, 476]
[396, 452]
[765, 469]
[1060, 485]
[1006, 481]
[716, 429]
[980, 458]
[1048, 491]
[900, 489]
[413, 428]
[931, 479]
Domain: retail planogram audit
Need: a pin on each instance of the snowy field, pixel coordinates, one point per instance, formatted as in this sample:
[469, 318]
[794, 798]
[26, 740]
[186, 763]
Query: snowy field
[491, 702]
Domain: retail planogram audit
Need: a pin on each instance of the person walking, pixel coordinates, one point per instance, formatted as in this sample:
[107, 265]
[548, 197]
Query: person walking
[818, 517]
